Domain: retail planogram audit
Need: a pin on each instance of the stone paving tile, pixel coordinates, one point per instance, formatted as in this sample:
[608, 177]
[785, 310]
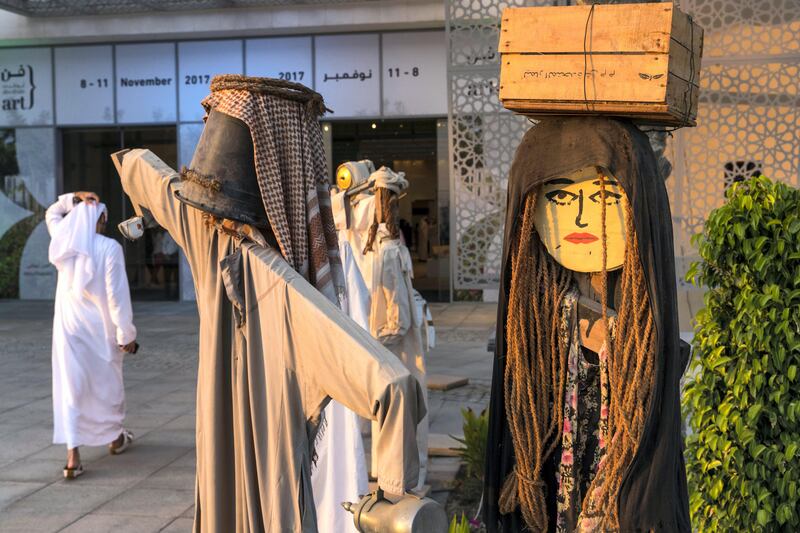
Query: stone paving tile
[186, 421]
[171, 477]
[24, 442]
[97, 523]
[132, 467]
[53, 507]
[149, 502]
[36, 470]
[187, 459]
[15, 426]
[27, 413]
[58, 452]
[179, 525]
[148, 417]
[11, 491]
[170, 437]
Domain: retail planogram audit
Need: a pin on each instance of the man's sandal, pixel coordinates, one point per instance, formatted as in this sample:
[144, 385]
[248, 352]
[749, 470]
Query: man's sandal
[127, 440]
[73, 472]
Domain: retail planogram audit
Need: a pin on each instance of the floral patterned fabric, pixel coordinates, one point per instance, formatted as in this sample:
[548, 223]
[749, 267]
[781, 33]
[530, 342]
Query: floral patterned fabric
[585, 430]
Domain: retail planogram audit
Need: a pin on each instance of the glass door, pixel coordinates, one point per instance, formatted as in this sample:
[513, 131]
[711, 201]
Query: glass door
[152, 261]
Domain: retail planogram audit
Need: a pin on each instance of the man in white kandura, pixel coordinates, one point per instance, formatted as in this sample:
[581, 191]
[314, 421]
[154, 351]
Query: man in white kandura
[92, 329]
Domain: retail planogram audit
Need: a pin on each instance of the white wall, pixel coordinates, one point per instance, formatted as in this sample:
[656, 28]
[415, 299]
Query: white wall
[17, 30]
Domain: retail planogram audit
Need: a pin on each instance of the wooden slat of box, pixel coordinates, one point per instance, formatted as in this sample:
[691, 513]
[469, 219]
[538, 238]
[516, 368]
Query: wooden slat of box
[636, 60]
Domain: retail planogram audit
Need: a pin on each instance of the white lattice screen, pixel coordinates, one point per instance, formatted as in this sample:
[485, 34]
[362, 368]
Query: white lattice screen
[747, 120]
[483, 138]
[748, 116]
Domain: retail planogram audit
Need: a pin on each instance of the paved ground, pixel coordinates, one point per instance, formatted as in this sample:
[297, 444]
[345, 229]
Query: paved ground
[150, 487]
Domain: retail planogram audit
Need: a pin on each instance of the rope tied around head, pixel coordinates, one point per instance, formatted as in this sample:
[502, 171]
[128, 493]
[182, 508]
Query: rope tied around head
[289, 90]
[207, 182]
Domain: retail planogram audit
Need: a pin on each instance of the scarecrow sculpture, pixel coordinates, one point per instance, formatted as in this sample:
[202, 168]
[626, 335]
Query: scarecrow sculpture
[584, 430]
[380, 279]
[252, 214]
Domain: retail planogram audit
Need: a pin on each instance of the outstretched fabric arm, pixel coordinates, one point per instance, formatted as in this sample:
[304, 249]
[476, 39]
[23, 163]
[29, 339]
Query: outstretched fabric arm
[334, 357]
[151, 184]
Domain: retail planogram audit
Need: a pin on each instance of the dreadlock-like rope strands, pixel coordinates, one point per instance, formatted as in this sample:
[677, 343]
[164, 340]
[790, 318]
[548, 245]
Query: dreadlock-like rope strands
[631, 365]
[535, 370]
[387, 206]
[535, 373]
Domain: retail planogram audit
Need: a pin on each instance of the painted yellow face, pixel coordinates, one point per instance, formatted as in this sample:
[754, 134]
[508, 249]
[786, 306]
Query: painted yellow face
[343, 177]
[568, 219]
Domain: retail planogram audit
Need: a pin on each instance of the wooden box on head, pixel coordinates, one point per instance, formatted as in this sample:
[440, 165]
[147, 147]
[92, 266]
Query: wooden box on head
[640, 61]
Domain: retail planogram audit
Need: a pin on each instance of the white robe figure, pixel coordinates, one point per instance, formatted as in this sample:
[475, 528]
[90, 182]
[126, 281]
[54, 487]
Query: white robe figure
[423, 239]
[93, 318]
[407, 342]
[340, 472]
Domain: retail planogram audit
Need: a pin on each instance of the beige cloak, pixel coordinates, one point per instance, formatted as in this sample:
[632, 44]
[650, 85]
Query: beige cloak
[273, 350]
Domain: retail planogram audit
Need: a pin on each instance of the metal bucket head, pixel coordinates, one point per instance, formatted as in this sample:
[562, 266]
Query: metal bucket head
[221, 179]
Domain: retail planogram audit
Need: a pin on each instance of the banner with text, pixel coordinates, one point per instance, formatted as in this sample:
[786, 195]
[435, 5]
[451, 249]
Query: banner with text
[146, 88]
[26, 86]
[199, 62]
[84, 85]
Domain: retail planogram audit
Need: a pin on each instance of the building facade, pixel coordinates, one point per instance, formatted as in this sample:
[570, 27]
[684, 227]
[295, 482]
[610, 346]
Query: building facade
[75, 89]
[413, 84]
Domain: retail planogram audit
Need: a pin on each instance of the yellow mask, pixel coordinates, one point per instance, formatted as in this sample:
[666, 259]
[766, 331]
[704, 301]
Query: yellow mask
[568, 219]
[353, 173]
[343, 177]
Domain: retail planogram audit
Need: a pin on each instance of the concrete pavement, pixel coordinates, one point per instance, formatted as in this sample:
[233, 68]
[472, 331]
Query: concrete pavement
[151, 487]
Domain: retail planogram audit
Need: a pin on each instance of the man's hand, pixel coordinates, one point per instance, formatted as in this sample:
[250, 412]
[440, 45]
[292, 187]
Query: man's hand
[129, 348]
[88, 197]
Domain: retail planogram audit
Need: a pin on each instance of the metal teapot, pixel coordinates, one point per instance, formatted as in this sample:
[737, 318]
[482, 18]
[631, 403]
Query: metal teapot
[410, 514]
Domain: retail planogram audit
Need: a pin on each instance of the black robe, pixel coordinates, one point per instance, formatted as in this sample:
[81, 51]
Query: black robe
[653, 495]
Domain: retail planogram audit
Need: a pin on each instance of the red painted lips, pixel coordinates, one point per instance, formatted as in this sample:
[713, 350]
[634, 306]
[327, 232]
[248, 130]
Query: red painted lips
[580, 238]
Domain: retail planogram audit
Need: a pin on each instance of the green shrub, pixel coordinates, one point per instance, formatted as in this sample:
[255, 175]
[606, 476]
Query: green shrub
[473, 449]
[744, 401]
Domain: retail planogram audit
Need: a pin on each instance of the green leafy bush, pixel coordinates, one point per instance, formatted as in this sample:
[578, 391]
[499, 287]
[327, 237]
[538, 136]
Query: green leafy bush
[473, 449]
[744, 401]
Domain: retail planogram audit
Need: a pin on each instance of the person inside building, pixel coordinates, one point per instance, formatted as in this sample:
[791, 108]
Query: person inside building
[92, 329]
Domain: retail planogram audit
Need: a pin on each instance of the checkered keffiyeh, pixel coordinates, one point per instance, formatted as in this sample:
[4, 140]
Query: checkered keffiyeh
[290, 167]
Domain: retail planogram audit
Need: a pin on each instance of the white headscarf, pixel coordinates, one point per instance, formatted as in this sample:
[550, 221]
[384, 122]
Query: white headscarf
[72, 246]
[386, 178]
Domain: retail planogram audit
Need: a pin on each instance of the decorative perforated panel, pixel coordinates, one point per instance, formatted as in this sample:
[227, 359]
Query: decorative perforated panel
[748, 122]
[735, 28]
[748, 119]
[483, 138]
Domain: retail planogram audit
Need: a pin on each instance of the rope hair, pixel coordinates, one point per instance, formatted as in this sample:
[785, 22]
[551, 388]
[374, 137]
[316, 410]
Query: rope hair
[535, 373]
[631, 371]
[387, 208]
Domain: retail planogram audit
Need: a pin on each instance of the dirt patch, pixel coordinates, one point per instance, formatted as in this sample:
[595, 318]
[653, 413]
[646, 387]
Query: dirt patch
[465, 498]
